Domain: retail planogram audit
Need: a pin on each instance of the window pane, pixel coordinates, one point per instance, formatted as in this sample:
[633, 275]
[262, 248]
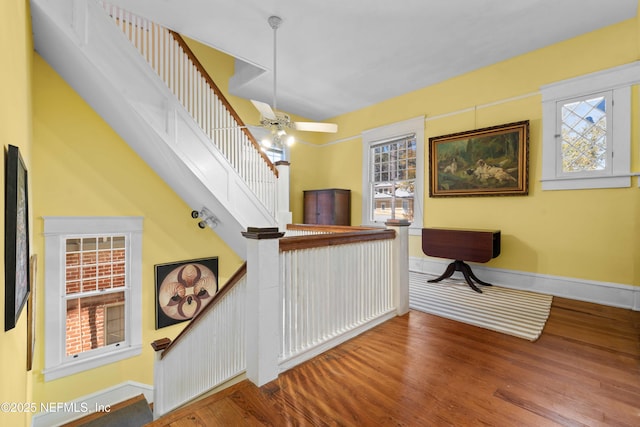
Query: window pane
[118, 242]
[86, 323]
[393, 167]
[89, 244]
[73, 245]
[89, 285]
[114, 332]
[584, 135]
[104, 243]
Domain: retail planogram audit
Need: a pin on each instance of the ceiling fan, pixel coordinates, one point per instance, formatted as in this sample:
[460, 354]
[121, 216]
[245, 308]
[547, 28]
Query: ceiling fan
[277, 122]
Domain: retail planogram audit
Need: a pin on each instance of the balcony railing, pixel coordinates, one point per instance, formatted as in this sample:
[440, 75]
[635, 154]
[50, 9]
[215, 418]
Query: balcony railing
[299, 297]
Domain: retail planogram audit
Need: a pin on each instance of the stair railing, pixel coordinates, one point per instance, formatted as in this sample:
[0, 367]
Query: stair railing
[209, 351]
[170, 57]
[294, 298]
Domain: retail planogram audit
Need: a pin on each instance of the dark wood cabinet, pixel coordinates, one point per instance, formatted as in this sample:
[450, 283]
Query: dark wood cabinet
[329, 206]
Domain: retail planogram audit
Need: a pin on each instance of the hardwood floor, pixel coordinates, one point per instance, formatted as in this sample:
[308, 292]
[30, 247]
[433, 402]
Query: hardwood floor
[423, 370]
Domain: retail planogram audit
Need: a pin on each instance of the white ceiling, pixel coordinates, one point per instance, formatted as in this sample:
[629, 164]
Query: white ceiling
[336, 56]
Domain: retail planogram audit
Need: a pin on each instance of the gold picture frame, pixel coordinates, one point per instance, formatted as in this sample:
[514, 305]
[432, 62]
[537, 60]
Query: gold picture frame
[491, 161]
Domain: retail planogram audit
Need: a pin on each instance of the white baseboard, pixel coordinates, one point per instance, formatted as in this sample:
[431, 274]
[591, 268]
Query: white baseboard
[64, 412]
[605, 293]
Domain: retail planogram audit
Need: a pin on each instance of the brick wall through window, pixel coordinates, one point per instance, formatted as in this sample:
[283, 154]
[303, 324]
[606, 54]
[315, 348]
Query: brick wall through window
[95, 280]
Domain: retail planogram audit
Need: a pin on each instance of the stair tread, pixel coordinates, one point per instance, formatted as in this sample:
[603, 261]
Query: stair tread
[134, 412]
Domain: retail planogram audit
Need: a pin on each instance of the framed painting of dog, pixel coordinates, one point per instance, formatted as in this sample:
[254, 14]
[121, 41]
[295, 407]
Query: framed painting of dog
[183, 289]
[491, 161]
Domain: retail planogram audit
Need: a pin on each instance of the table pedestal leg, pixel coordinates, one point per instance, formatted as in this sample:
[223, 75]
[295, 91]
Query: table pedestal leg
[466, 272]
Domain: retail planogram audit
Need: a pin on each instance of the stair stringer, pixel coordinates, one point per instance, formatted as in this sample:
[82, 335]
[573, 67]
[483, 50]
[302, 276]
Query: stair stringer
[91, 54]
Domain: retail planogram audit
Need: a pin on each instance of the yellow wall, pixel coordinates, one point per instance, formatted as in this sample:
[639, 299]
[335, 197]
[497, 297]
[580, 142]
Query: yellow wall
[81, 167]
[220, 68]
[15, 129]
[586, 234]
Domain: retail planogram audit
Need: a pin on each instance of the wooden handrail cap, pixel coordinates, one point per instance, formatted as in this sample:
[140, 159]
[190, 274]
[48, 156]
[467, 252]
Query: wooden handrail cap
[161, 344]
[262, 233]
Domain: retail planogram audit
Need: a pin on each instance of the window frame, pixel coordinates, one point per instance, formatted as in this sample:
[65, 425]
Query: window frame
[56, 231]
[616, 84]
[379, 135]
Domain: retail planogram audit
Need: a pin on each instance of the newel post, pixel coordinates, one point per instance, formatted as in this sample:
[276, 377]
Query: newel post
[159, 346]
[262, 345]
[400, 264]
[284, 215]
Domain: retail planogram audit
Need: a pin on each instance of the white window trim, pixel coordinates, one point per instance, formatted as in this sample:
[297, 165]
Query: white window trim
[618, 81]
[56, 229]
[374, 136]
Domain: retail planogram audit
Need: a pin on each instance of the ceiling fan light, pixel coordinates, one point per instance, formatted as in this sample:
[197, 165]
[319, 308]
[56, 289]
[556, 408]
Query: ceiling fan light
[281, 132]
[290, 140]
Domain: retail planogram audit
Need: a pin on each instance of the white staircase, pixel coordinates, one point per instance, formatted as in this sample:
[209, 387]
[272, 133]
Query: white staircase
[217, 172]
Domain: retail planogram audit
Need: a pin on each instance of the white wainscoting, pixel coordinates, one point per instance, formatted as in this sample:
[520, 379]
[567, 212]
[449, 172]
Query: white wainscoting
[605, 293]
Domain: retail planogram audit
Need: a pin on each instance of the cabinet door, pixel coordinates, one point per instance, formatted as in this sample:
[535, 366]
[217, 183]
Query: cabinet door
[310, 207]
[325, 208]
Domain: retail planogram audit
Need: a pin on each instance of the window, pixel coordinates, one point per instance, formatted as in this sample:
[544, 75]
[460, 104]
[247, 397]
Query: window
[93, 292]
[393, 177]
[393, 171]
[95, 279]
[587, 130]
[274, 153]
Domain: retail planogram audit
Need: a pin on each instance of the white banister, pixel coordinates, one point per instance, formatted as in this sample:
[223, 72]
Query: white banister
[262, 304]
[400, 264]
[285, 216]
[174, 64]
[209, 354]
[333, 290]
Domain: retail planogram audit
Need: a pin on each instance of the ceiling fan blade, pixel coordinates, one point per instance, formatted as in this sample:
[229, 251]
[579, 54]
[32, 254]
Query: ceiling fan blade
[316, 127]
[264, 109]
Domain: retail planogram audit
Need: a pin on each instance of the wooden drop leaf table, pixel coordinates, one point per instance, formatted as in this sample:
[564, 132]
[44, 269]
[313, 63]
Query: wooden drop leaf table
[461, 245]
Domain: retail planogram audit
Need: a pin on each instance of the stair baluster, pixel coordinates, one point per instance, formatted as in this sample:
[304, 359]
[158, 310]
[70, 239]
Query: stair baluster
[174, 62]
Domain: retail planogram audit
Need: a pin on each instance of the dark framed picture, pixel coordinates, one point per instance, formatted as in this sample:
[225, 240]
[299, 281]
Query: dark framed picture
[183, 289]
[492, 161]
[16, 238]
